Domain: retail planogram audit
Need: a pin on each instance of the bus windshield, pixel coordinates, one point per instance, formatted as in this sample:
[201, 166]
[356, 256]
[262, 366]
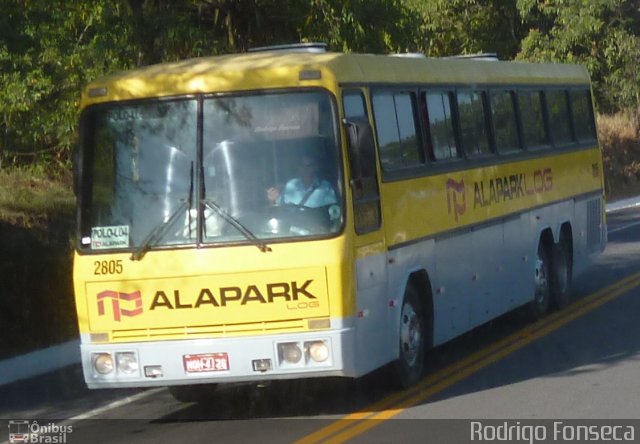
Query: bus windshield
[268, 169]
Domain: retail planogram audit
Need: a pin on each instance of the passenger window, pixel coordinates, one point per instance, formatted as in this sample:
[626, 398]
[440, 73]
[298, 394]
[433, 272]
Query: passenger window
[559, 117]
[473, 124]
[534, 131]
[441, 129]
[396, 130]
[583, 114]
[505, 125]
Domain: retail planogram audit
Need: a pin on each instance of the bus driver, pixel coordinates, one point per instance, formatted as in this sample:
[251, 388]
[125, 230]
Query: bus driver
[307, 190]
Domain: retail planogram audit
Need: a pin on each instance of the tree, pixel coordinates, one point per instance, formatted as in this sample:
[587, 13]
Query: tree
[599, 34]
[49, 49]
[455, 27]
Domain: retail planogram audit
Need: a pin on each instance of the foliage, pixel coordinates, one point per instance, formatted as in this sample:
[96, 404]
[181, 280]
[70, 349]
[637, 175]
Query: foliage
[50, 48]
[621, 154]
[603, 35]
[453, 27]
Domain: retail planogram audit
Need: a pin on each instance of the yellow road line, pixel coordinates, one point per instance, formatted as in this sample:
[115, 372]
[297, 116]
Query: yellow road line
[393, 405]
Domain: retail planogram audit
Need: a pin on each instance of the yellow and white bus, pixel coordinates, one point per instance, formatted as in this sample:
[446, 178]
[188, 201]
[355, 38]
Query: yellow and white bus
[445, 192]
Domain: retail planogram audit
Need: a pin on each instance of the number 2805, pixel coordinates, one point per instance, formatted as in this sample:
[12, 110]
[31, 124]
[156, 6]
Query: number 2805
[107, 267]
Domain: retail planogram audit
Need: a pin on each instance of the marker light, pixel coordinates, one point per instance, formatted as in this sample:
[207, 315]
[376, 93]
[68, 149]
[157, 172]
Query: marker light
[290, 352]
[127, 362]
[318, 351]
[153, 371]
[103, 363]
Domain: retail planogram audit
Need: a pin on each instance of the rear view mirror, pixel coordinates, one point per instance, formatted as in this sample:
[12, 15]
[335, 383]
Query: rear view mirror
[361, 150]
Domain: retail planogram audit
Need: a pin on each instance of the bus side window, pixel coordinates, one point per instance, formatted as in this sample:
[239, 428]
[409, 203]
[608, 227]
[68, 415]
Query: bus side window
[395, 117]
[473, 123]
[582, 111]
[505, 123]
[364, 178]
[559, 117]
[534, 131]
[440, 125]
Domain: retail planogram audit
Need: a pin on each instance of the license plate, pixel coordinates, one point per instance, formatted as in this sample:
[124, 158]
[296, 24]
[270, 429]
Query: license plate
[208, 362]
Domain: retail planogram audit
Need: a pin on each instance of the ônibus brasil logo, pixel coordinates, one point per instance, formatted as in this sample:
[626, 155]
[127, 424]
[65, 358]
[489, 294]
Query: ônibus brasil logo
[27, 431]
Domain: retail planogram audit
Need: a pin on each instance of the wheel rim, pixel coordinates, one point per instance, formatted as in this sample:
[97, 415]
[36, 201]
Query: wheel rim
[410, 335]
[541, 280]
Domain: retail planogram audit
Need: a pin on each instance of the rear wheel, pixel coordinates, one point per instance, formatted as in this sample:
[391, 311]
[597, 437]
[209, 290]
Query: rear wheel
[410, 363]
[560, 275]
[542, 284]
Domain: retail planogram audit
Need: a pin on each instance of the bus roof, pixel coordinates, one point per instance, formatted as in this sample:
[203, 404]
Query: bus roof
[269, 70]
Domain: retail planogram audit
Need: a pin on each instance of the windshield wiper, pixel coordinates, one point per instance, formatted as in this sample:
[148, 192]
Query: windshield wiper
[160, 230]
[236, 224]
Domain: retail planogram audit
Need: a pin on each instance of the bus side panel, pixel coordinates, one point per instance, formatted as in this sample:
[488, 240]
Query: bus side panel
[488, 281]
[518, 264]
[475, 278]
[373, 343]
[454, 286]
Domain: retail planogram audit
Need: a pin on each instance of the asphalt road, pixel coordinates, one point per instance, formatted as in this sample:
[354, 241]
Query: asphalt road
[578, 364]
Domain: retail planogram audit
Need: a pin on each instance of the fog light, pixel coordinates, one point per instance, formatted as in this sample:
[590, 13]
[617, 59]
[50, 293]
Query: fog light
[290, 352]
[103, 363]
[318, 351]
[127, 362]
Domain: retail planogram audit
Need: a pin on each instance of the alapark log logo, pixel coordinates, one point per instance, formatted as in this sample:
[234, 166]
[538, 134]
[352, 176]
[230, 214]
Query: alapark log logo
[456, 198]
[131, 301]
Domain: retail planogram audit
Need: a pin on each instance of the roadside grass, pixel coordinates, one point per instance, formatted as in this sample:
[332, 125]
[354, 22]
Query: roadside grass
[36, 226]
[30, 198]
[620, 144]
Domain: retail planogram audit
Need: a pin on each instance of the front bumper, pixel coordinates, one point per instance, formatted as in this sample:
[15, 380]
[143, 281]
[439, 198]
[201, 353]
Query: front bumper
[260, 358]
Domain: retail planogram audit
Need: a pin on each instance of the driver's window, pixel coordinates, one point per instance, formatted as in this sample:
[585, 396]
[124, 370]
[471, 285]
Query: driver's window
[354, 106]
[366, 199]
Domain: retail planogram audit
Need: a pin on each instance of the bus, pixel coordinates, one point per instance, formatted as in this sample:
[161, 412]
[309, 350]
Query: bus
[295, 213]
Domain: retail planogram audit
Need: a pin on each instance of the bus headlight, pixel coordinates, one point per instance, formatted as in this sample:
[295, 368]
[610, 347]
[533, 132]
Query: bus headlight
[290, 352]
[102, 363]
[127, 362]
[318, 351]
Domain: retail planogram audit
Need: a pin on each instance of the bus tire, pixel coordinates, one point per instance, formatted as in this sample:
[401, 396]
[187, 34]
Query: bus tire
[193, 393]
[410, 363]
[539, 306]
[560, 276]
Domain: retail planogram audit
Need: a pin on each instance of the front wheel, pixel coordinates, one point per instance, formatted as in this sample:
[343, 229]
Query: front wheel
[542, 284]
[410, 363]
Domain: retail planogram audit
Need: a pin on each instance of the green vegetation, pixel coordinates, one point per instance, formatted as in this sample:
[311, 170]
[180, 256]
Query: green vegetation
[621, 155]
[36, 225]
[29, 198]
[49, 49]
